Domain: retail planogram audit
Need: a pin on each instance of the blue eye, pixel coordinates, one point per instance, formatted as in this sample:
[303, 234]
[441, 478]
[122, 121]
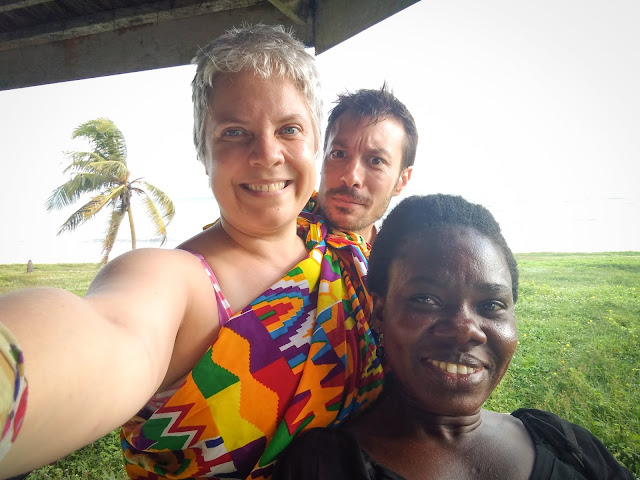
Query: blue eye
[337, 154]
[376, 161]
[290, 130]
[232, 132]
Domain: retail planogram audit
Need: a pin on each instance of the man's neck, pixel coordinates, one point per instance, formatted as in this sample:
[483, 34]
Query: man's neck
[369, 233]
[373, 233]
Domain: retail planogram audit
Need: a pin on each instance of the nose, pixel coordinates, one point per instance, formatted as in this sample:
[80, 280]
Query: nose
[352, 173]
[266, 152]
[461, 327]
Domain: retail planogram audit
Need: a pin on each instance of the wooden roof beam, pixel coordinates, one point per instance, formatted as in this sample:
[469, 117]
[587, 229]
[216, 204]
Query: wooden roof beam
[8, 5]
[298, 11]
[150, 13]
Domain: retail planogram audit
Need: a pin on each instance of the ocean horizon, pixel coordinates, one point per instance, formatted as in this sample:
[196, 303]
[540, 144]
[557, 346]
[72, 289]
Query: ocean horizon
[596, 225]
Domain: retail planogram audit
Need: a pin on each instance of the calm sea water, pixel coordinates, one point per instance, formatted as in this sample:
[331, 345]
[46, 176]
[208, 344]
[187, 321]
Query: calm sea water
[529, 225]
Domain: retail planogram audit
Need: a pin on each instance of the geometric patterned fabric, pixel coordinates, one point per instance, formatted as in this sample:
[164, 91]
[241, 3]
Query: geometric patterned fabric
[300, 356]
[13, 390]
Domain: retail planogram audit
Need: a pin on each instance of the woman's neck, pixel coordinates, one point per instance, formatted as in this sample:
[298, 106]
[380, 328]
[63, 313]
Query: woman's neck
[269, 246]
[394, 415]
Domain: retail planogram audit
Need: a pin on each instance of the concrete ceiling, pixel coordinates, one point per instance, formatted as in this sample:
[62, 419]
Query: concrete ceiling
[48, 41]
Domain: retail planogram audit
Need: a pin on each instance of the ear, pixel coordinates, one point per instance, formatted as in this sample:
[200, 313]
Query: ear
[404, 178]
[377, 313]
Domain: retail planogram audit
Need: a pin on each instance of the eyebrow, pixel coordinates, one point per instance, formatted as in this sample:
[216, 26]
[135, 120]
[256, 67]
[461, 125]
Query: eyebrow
[375, 151]
[233, 118]
[493, 288]
[436, 281]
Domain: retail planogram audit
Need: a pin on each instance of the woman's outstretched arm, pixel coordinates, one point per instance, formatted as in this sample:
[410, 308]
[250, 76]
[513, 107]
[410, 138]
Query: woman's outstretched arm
[93, 361]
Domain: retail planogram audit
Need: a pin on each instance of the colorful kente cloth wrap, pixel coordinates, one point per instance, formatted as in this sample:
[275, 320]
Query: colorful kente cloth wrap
[301, 355]
[13, 390]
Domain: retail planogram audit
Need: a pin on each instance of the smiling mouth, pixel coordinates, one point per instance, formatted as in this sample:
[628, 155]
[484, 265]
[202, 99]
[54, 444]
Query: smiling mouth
[454, 368]
[265, 187]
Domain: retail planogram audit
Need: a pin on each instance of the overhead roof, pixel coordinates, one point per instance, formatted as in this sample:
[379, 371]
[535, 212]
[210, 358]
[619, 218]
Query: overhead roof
[48, 41]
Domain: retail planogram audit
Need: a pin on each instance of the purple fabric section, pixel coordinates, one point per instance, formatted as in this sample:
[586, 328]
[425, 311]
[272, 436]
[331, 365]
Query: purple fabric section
[245, 458]
[263, 350]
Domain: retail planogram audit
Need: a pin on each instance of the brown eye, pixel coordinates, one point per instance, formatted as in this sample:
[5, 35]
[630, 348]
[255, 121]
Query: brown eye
[492, 306]
[426, 300]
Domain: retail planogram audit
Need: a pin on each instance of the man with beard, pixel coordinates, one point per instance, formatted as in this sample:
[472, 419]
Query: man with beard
[369, 151]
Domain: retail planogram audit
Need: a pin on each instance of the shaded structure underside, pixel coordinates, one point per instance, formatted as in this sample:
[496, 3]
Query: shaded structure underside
[48, 41]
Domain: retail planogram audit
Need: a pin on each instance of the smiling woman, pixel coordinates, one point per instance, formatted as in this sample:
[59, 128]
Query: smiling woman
[445, 284]
[206, 354]
[260, 138]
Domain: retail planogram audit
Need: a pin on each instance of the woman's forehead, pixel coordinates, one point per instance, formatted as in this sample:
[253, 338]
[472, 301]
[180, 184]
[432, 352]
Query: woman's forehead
[448, 249]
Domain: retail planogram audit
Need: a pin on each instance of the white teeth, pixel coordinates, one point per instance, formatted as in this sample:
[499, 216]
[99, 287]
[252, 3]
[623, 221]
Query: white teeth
[269, 187]
[453, 367]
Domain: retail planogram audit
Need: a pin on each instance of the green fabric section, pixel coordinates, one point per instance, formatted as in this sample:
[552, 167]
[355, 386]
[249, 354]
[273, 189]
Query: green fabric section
[153, 429]
[268, 314]
[281, 440]
[158, 470]
[334, 262]
[210, 377]
[295, 271]
[346, 305]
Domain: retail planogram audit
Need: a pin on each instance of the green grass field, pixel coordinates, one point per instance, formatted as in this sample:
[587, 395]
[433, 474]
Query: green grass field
[579, 352]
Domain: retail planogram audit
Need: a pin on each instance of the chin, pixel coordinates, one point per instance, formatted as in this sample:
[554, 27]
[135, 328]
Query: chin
[341, 223]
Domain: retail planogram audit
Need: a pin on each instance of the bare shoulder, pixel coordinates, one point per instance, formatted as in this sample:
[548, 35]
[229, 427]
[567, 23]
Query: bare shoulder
[505, 422]
[139, 276]
[144, 260]
[510, 435]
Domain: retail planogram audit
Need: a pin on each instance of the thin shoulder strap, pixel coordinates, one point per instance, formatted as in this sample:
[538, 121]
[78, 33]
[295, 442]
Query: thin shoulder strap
[224, 309]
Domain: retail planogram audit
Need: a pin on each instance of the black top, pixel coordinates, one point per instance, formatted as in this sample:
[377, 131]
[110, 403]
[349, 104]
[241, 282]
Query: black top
[563, 451]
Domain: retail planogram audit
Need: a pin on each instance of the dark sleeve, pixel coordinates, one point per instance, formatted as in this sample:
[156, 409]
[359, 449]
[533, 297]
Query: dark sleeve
[322, 454]
[573, 445]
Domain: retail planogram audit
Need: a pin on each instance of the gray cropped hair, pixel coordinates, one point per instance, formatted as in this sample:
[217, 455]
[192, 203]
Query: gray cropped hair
[267, 50]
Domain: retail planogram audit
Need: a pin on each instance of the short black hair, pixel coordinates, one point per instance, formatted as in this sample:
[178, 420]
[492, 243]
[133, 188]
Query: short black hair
[378, 105]
[418, 214]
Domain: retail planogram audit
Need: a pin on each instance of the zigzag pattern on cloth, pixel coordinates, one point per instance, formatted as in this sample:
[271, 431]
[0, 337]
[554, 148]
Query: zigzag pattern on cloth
[301, 355]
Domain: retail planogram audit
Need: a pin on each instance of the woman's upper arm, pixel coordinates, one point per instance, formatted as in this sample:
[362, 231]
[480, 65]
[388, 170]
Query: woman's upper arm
[95, 360]
[153, 294]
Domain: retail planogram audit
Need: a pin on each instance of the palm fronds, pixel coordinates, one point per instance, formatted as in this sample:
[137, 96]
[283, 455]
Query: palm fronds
[105, 138]
[162, 199]
[104, 170]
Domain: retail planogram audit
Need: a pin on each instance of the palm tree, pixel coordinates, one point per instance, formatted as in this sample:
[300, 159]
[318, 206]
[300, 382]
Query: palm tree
[104, 172]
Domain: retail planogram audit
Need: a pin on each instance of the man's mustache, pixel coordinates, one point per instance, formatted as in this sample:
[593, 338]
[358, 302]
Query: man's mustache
[352, 193]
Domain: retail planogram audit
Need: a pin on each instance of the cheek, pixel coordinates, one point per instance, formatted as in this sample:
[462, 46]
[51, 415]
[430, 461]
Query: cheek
[398, 346]
[379, 182]
[329, 175]
[506, 336]
[311, 179]
[305, 155]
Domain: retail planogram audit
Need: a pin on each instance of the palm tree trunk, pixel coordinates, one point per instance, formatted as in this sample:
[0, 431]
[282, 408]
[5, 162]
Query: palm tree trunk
[133, 229]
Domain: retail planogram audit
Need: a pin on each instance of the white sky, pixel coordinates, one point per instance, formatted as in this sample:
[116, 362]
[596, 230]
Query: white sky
[530, 108]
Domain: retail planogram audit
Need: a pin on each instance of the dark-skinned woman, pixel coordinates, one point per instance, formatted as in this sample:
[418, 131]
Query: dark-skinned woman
[445, 284]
